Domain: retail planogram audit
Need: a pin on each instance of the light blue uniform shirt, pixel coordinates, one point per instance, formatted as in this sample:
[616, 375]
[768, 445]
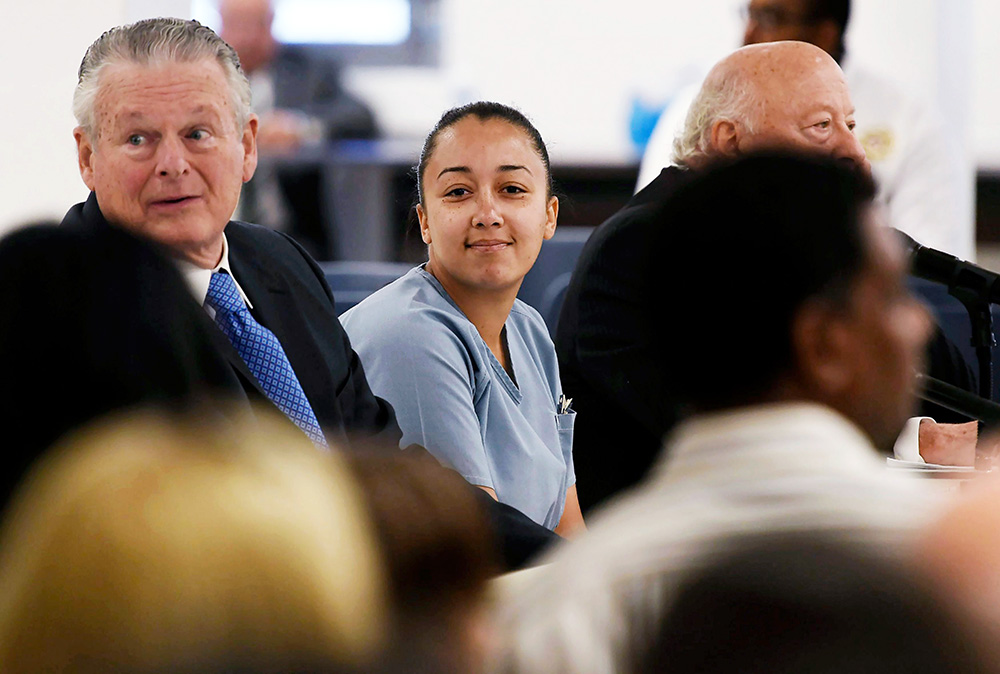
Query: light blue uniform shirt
[452, 396]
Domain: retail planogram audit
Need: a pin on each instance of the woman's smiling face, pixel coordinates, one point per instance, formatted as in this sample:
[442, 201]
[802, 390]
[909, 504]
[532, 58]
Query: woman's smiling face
[486, 207]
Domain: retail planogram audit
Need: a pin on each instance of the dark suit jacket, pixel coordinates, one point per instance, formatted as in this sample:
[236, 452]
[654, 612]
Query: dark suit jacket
[607, 355]
[291, 298]
[605, 351]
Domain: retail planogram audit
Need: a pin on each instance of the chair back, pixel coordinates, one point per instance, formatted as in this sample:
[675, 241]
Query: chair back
[545, 285]
[353, 281]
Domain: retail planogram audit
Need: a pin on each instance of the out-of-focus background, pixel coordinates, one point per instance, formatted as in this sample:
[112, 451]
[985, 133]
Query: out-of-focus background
[592, 74]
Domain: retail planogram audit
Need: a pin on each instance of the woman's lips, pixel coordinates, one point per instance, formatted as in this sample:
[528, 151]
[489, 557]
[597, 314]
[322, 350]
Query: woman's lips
[488, 246]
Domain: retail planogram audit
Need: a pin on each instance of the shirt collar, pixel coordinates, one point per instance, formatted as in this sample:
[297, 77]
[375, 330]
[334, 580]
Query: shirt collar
[797, 435]
[198, 278]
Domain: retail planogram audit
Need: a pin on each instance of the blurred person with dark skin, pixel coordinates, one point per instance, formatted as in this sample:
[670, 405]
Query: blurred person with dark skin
[782, 95]
[784, 422]
[299, 100]
[440, 555]
[927, 190]
[800, 603]
[165, 141]
[177, 544]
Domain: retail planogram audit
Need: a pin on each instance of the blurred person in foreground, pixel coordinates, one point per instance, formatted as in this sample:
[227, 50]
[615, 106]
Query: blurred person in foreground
[96, 322]
[165, 141]
[960, 552]
[439, 554]
[785, 604]
[923, 182]
[781, 95]
[159, 544]
[785, 421]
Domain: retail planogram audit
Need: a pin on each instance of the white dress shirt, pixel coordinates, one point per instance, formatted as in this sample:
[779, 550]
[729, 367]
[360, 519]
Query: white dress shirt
[198, 278]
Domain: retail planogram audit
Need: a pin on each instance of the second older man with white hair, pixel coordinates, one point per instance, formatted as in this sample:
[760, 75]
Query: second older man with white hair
[781, 95]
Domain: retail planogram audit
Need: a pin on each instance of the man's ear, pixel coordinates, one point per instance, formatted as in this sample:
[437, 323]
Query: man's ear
[84, 156]
[249, 141]
[725, 138]
[824, 350]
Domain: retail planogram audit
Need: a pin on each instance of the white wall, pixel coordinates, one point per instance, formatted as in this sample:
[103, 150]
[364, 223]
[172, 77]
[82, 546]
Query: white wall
[572, 65]
[575, 65]
[986, 84]
[41, 47]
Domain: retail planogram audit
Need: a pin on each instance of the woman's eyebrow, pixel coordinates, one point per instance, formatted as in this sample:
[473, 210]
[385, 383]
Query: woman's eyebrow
[513, 167]
[455, 169]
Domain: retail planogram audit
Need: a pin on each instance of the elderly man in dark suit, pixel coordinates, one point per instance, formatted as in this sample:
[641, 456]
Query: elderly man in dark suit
[165, 141]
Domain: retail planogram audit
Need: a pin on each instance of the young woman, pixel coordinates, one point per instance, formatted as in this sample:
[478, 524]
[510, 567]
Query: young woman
[469, 369]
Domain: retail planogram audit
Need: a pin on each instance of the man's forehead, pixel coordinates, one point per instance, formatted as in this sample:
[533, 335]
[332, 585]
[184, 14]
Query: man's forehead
[135, 90]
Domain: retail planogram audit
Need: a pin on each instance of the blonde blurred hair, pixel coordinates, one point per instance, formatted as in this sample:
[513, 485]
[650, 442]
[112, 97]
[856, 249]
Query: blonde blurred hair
[147, 545]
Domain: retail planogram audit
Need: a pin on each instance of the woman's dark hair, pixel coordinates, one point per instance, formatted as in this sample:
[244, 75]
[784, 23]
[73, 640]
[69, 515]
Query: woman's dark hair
[484, 111]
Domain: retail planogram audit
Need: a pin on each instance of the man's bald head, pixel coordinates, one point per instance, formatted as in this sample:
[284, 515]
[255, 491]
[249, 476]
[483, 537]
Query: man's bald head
[246, 26]
[778, 95]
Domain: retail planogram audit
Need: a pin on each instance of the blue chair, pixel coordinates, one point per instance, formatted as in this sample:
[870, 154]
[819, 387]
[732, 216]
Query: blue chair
[353, 281]
[545, 285]
[552, 300]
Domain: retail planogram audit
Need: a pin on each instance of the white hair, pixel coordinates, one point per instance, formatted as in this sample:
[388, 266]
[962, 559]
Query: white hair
[729, 96]
[153, 42]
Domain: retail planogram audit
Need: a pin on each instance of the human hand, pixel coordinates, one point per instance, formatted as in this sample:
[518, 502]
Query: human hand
[948, 444]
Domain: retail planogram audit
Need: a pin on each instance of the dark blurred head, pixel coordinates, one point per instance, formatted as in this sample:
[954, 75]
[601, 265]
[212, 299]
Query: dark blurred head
[799, 603]
[440, 553]
[93, 323]
[776, 284]
[819, 22]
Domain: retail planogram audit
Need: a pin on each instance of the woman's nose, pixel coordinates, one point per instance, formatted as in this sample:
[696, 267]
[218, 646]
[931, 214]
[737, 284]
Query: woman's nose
[487, 212]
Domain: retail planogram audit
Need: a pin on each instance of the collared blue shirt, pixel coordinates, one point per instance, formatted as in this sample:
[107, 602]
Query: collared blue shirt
[452, 395]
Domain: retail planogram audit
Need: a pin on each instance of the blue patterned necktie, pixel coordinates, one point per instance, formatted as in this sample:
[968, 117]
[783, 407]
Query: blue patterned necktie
[262, 352]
